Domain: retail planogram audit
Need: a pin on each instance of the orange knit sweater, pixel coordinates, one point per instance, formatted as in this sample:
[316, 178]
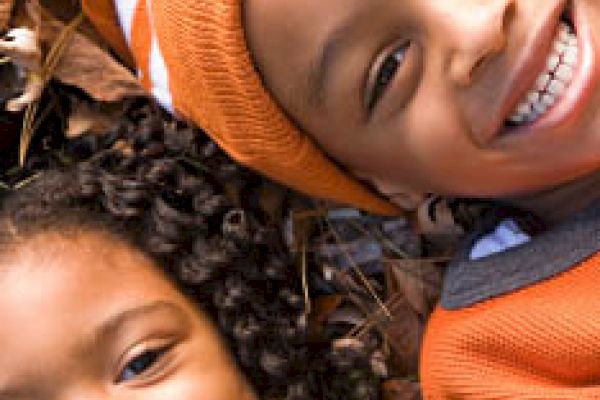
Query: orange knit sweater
[538, 338]
[542, 342]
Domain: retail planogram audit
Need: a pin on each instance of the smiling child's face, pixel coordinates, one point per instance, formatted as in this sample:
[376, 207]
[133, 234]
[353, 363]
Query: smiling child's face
[87, 317]
[416, 95]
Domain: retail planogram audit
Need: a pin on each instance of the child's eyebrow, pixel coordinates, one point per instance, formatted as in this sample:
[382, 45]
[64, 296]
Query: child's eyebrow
[110, 327]
[327, 55]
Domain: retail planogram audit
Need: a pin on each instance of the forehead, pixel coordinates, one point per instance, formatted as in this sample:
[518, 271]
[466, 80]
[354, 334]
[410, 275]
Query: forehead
[286, 36]
[63, 287]
[84, 266]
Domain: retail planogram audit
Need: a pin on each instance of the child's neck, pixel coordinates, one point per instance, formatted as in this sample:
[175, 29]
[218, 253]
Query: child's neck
[561, 202]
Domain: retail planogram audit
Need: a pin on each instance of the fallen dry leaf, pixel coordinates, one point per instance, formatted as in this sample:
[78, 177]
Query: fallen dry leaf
[418, 281]
[6, 9]
[322, 308]
[348, 314]
[399, 389]
[413, 288]
[403, 337]
[21, 47]
[94, 118]
[88, 67]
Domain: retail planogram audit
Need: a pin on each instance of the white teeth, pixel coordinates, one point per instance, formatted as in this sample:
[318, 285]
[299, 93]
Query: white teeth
[560, 47]
[556, 88]
[553, 62]
[523, 109]
[548, 99]
[553, 81]
[533, 97]
[542, 82]
[564, 72]
[517, 118]
[540, 108]
[570, 55]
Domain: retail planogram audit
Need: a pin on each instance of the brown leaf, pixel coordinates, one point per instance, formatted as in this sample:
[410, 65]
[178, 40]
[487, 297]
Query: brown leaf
[400, 389]
[403, 335]
[413, 288]
[323, 307]
[65, 10]
[348, 314]
[88, 67]
[95, 118]
[21, 46]
[6, 9]
[418, 281]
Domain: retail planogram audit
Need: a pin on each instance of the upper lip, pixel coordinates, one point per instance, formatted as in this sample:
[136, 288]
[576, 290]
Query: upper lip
[529, 65]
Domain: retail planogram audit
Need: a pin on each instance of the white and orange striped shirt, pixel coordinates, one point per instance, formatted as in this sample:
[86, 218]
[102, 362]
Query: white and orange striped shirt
[151, 66]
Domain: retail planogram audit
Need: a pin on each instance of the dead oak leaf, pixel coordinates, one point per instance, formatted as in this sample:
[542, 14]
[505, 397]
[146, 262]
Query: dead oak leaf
[413, 288]
[323, 308]
[6, 10]
[95, 118]
[400, 389]
[21, 47]
[88, 67]
[417, 280]
[403, 336]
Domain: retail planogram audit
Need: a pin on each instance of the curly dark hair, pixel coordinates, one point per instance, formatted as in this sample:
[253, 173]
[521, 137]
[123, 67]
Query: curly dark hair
[161, 186]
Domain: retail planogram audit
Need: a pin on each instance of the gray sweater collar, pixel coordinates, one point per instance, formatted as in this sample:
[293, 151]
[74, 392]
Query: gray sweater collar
[546, 255]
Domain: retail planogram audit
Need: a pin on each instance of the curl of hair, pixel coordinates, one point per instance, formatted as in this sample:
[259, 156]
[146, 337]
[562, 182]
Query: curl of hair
[161, 186]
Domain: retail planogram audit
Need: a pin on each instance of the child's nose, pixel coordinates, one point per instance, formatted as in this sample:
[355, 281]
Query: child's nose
[470, 32]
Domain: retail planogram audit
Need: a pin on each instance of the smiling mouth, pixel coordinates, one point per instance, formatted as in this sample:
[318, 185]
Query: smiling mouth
[554, 80]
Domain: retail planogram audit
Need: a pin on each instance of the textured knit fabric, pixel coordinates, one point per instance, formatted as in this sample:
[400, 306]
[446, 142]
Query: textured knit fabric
[523, 324]
[192, 55]
[541, 342]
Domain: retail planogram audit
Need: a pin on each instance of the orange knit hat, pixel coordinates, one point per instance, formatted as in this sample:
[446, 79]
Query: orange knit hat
[214, 83]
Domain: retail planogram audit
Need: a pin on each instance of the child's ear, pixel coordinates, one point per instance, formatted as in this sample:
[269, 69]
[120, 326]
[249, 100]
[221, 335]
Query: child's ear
[401, 195]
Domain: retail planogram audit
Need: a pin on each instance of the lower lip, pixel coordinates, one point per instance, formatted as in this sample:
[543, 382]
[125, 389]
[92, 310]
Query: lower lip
[573, 101]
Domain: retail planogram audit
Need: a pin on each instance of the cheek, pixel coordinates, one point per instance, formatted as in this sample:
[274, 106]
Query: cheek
[424, 151]
[198, 385]
[206, 373]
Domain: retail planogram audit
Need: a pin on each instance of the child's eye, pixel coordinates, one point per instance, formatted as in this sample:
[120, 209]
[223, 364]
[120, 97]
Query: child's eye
[141, 364]
[387, 70]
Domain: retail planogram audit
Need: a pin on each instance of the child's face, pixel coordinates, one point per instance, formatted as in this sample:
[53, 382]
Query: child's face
[87, 317]
[415, 95]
